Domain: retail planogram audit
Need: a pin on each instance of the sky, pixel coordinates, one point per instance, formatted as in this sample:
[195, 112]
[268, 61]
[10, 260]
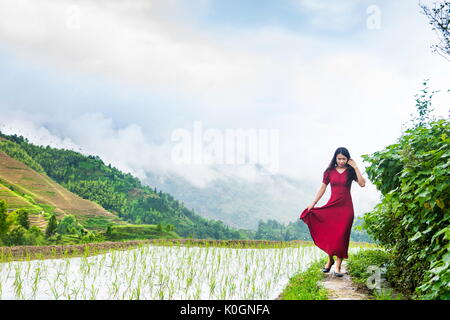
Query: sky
[123, 79]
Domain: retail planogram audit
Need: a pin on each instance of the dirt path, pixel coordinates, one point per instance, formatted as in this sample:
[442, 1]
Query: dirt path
[342, 288]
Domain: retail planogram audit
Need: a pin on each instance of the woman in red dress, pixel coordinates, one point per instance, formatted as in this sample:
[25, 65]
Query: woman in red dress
[331, 224]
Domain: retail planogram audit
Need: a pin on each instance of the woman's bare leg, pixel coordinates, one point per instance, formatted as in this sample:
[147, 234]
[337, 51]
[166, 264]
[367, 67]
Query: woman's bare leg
[338, 264]
[330, 261]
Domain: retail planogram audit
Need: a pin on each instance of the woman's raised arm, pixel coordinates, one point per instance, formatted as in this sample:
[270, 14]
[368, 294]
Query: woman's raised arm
[361, 181]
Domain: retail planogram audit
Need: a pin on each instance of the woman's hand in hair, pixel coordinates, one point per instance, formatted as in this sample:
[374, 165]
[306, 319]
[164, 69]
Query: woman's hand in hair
[352, 163]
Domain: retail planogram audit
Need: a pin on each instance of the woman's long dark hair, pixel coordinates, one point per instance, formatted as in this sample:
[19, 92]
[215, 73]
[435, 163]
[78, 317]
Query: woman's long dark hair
[333, 163]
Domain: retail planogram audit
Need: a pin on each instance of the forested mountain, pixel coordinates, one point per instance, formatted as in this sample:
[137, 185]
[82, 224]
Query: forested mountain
[117, 192]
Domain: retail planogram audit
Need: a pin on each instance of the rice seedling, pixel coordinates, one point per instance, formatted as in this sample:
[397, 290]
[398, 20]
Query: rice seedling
[18, 283]
[75, 292]
[54, 291]
[160, 272]
[93, 292]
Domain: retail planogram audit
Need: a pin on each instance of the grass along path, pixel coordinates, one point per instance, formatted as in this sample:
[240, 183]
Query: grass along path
[306, 285]
[342, 288]
[313, 284]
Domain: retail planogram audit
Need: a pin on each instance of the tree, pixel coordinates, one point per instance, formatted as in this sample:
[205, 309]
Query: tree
[108, 230]
[51, 227]
[423, 107]
[69, 225]
[15, 237]
[3, 218]
[3, 206]
[34, 236]
[439, 18]
[22, 217]
[170, 227]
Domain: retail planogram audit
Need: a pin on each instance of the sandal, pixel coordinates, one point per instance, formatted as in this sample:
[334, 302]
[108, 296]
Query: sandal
[337, 274]
[326, 270]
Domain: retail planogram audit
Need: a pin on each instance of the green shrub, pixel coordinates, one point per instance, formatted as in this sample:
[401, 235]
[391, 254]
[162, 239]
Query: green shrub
[19, 236]
[15, 237]
[91, 236]
[132, 231]
[69, 225]
[34, 236]
[360, 261]
[413, 218]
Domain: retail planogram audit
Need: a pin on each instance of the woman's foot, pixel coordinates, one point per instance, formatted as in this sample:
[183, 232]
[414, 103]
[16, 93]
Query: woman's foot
[338, 274]
[328, 266]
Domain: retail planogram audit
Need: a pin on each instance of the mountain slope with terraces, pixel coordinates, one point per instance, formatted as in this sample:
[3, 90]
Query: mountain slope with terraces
[23, 187]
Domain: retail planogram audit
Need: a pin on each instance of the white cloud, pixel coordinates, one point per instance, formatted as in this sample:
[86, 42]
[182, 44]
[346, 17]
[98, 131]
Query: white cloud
[127, 148]
[132, 44]
[32, 126]
[91, 134]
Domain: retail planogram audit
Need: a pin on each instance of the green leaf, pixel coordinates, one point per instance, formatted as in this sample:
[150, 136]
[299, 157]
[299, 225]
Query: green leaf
[447, 233]
[440, 203]
[446, 257]
[429, 229]
[416, 236]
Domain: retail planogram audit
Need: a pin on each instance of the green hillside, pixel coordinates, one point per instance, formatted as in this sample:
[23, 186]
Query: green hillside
[23, 187]
[28, 199]
[115, 192]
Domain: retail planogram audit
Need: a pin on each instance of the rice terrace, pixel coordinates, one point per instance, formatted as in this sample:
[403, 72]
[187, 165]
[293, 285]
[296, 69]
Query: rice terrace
[166, 269]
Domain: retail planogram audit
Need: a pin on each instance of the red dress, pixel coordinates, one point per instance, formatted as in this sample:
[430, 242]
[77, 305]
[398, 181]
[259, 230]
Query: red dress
[331, 224]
